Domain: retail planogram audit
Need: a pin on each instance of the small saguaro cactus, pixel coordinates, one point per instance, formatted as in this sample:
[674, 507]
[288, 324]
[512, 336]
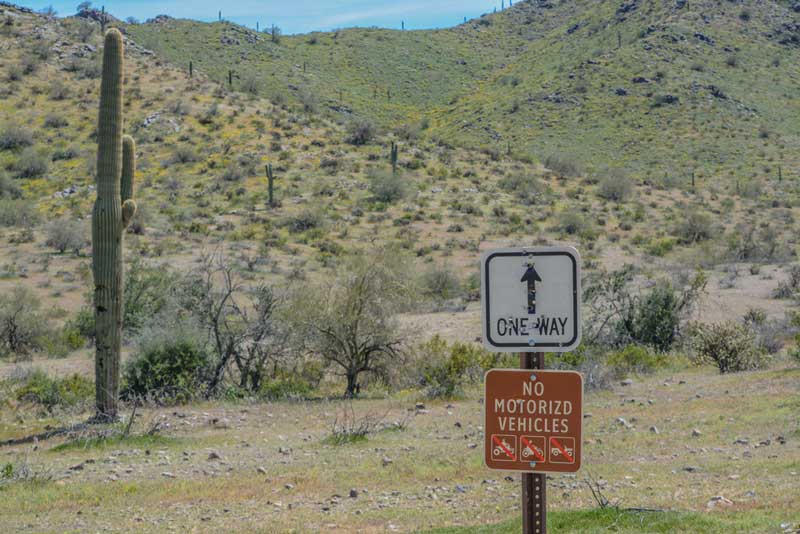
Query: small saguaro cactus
[271, 183]
[191, 69]
[113, 210]
[230, 78]
[393, 157]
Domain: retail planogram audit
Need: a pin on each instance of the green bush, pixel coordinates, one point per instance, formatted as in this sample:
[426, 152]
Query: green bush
[440, 284]
[660, 247]
[147, 292]
[694, 226]
[32, 163]
[17, 212]
[635, 359]
[386, 186]
[573, 223]
[49, 392]
[170, 365]
[23, 327]
[308, 219]
[8, 189]
[13, 136]
[656, 318]
[82, 324]
[528, 188]
[731, 346]
[446, 369]
[65, 234]
[564, 165]
[285, 388]
[360, 131]
[615, 185]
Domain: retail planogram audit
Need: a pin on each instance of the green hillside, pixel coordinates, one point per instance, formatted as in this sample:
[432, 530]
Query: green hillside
[657, 87]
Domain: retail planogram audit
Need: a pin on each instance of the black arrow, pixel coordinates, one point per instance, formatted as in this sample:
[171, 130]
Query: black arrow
[531, 276]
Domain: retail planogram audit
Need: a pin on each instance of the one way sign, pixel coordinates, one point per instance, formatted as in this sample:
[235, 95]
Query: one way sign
[531, 299]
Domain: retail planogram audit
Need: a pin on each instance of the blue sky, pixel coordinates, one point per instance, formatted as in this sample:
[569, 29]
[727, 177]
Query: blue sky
[297, 16]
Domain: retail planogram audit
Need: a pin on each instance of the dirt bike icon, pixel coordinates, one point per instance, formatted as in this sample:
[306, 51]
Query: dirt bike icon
[526, 452]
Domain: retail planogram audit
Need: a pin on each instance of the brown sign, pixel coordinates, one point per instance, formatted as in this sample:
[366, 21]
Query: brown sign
[533, 420]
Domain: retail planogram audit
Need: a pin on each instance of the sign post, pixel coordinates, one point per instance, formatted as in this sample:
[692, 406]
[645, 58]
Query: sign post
[530, 303]
[534, 485]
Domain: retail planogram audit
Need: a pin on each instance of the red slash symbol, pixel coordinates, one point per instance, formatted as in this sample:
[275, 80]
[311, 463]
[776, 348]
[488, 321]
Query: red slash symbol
[533, 449]
[561, 448]
[505, 449]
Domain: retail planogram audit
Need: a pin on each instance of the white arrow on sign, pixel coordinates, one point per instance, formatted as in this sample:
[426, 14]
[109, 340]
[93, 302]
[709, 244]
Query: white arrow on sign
[531, 299]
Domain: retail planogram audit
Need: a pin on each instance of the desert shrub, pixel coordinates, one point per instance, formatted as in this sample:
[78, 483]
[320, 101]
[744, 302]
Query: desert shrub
[66, 234]
[574, 223]
[232, 173]
[83, 324]
[526, 187]
[788, 288]
[448, 368]
[620, 316]
[307, 219]
[170, 365]
[51, 393]
[17, 212]
[59, 90]
[694, 226]
[360, 131]
[8, 189]
[615, 185]
[564, 165]
[148, 289]
[635, 359]
[440, 284]
[731, 346]
[23, 327]
[308, 100]
[285, 388]
[53, 120]
[386, 186]
[660, 247]
[251, 84]
[32, 163]
[13, 136]
[184, 154]
[656, 318]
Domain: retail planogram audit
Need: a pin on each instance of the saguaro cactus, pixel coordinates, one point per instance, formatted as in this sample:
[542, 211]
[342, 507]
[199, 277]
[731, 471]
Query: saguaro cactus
[393, 157]
[113, 210]
[271, 183]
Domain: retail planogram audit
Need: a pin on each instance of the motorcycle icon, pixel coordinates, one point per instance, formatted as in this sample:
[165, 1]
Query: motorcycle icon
[527, 452]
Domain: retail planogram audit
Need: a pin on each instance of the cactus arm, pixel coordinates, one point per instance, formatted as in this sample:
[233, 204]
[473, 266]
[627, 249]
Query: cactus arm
[128, 167]
[128, 211]
[128, 177]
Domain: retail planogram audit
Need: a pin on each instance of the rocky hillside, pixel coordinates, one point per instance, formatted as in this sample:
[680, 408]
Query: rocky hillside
[663, 86]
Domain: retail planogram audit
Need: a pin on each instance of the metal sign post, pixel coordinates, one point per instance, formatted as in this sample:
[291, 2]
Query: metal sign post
[530, 303]
[534, 485]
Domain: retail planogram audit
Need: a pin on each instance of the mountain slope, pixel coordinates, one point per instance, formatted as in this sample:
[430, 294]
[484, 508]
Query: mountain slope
[662, 86]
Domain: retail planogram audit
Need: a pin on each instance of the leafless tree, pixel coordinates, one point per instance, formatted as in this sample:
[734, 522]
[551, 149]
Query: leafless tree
[246, 336]
[350, 319]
